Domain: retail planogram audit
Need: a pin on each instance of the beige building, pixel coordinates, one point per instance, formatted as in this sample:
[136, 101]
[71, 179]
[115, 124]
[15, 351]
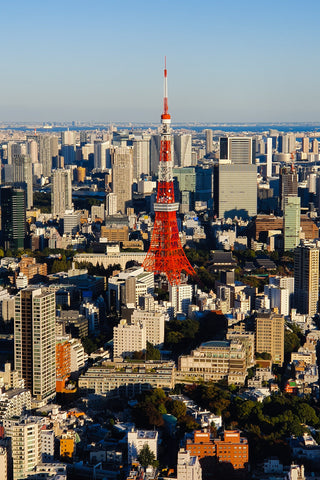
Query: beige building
[122, 176]
[153, 323]
[128, 339]
[269, 331]
[61, 193]
[215, 360]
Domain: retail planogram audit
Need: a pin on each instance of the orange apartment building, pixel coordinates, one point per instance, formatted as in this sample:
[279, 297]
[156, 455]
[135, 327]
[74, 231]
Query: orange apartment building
[31, 269]
[230, 448]
[63, 364]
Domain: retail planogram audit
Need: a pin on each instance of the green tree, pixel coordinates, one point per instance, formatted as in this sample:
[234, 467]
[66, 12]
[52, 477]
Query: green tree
[152, 353]
[177, 408]
[146, 457]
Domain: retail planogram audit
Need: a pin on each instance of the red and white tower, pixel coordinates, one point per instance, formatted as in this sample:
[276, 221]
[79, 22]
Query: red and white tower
[166, 254]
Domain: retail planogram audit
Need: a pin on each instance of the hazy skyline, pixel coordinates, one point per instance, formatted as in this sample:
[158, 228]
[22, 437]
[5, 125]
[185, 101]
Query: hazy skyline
[103, 61]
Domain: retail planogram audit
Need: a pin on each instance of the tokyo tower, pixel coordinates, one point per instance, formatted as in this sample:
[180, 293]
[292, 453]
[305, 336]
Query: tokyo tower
[166, 254]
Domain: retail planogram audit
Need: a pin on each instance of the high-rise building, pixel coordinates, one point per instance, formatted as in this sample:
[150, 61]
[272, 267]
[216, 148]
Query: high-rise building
[287, 143]
[306, 278]
[291, 224]
[141, 156]
[128, 339]
[111, 204]
[305, 147]
[25, 444]
[182, 150]
[122, 176]
[235, 190]
[288, 184]
[209, 144]
[61, 194]
[238, 149]
[180, 297]
[269, 157]
[269, 335]
[13, 217]
[315, 146]
[34, 341]
[101, 155]
[48, 149]
[22, 176]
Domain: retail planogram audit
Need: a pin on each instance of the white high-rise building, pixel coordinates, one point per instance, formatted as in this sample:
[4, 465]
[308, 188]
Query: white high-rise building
[180, 297]
[35, 342]
[61, 194]
[128, 339]
[25, 444]
[188, 467]
[269, 157]
[182, 150]
[101, 155]
[141, 157]
[154, 324]
[306, 278]
[111, 204]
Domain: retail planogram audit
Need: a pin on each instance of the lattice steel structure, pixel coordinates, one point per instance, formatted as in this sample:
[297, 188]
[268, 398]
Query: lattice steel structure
[166, 254]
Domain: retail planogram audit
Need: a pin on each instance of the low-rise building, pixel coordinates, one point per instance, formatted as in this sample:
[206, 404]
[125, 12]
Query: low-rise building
[137, 439]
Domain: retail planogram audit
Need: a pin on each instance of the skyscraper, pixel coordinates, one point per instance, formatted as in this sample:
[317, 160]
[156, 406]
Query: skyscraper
[101, 155]
[235, 190]
[34, 341]
[209, 145]
[288, 183]
[141, 157]
[305, 145]
[269, 157]
[122, 176]
[61, 193]
[291, 224]
[238, 150]
[48, 148]
[306, 278]
[13, 217]
[22, 176]
[182, 150]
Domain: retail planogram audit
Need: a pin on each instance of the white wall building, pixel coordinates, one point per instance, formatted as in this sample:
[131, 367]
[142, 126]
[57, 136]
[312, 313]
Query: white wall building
[188, 467]
[128, 339]
[153, 323]
[180, 297]
[137, 439]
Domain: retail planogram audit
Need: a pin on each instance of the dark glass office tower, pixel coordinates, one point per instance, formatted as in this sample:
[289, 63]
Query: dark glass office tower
[13, 217]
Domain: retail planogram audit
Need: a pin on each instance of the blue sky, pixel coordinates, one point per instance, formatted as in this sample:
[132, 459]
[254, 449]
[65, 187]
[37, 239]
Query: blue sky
[228, 61]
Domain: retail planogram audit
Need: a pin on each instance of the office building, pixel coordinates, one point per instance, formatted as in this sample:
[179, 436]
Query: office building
[233, 449]
[287, 143]
[128, 339]
[238, 150]
[101, 155]
[209, 143]
[22, 176]
[288, 184]
[269, 157]
[315, 146]
[122, 176]
[235, 190]
[71, 222]
[34, 341]
[306, 278]
[68, 147]
[188, 467]
[182, 150]
[269, 331]
[214, 361]
[25, 444]
[13, 217]
[141, 156]
[61, 193]
[291, 224]
[48, 150]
